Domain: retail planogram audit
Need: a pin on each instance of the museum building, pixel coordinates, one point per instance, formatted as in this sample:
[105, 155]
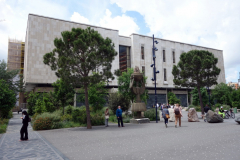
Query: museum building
[133, 50]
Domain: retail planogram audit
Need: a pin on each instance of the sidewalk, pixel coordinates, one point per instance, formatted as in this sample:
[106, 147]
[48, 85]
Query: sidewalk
[36, 148]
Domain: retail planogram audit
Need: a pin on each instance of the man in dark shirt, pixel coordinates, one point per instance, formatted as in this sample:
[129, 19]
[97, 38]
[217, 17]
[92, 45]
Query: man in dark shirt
[206, 108]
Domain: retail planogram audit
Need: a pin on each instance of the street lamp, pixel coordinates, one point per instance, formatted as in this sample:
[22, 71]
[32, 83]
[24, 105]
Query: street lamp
[154, 73]
[208, 90]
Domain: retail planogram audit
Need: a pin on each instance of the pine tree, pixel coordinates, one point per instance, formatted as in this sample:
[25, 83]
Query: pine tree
[196, 68]
[82, 57]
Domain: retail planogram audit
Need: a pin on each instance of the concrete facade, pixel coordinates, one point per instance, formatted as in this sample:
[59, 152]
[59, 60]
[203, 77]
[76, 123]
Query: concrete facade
[41, 32]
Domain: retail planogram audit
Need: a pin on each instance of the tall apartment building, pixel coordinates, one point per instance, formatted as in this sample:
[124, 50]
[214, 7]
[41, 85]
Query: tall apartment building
[16, 60]
[133, 50]
[234, 85]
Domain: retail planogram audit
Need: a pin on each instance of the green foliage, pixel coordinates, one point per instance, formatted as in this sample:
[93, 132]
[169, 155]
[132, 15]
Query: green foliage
[69, 110]
[172, 99]
[236, 104]
[97, 119]
[226, 107]
[196, 68]
[3, 125]
[77, 55]
[196, 107]
[151, 114]
[39, 107]
[112, 118]
[47, 121]
[223, 93]
[32, 98]
[79, 115]
[116, 99]
[195, 96]
[7, 99]
[66, 117]
[11, 78]
[96, 95]
[63, 91]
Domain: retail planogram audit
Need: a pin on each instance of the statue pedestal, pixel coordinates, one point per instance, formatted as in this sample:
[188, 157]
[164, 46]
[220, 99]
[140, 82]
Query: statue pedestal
[140, 120]
[139, 107]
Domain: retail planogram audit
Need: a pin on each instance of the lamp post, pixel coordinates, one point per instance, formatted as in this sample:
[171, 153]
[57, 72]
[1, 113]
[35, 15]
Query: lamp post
[208, 90]
[154, 73]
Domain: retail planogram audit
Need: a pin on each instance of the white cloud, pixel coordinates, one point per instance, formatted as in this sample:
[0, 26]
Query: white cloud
[76, 17]
[125, 24]
[232, 75]
[213, 24]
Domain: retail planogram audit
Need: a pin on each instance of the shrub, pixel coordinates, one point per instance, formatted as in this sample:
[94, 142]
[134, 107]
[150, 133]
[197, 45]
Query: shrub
[47, 120]
[42, 123]
[226, 107]
[40, 108]
[66, 117]
[97, 119]
[79, 115]
[3, 125]
[112, 118]
[69, 110]
[126, 120]
[151, 114]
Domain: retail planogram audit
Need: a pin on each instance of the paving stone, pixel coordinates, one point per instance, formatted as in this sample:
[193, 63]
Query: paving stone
[36, 148]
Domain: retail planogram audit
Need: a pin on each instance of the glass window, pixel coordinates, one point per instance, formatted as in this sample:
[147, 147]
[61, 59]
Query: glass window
[143, 70]
[165, 74]
[142, 52]
[124, 58]
[164, 60]
[173, 54]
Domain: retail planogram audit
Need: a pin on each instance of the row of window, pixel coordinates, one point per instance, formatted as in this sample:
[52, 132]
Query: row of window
[163, 52]
[164, 73]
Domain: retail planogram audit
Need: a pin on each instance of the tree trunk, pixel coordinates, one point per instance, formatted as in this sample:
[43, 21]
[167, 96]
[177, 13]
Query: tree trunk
[200, 98]
[89, 125]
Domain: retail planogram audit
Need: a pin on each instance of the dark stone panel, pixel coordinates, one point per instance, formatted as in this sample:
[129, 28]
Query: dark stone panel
[161, 98]
[183, 99]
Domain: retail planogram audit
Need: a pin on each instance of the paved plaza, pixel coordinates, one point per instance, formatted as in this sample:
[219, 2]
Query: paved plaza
[36, 148]
[194, 140]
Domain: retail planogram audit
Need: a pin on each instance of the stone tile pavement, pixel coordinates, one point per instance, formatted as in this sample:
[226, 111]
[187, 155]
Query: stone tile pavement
[37, 148]
[194, 140]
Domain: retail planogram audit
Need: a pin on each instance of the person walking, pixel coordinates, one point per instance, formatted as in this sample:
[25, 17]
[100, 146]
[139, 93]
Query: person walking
[206, 108]
[165, 114]
[178, 115]
[24, 131]
[119, 116]
[106, 117]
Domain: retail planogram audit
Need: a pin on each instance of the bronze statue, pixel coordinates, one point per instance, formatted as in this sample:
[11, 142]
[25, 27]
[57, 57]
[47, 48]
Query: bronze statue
[138, 106]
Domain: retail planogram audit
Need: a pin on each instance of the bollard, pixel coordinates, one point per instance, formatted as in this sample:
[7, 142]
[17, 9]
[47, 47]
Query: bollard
[235, 110]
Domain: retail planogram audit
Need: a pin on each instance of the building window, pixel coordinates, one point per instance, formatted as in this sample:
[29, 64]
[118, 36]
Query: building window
[164, 60]
[124, 58]
[142, 52]
[173, 54]
[143, 70]
[165, 74]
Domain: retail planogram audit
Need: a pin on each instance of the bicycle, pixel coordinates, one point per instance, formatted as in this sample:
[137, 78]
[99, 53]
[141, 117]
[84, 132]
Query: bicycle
[231, 114]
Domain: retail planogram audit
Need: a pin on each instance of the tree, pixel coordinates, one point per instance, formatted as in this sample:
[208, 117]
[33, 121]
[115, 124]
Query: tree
[63, 91]
[7, 99]
[196, 68]
[116, 99]
[172, 99]
[96, 95]
[32, 98]
[78, 54]
[222, 94]
[12, 78]
[123, 86]
[195, 96]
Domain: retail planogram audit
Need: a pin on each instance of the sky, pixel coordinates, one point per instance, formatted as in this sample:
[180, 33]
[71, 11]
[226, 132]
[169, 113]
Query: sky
[214, 24]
